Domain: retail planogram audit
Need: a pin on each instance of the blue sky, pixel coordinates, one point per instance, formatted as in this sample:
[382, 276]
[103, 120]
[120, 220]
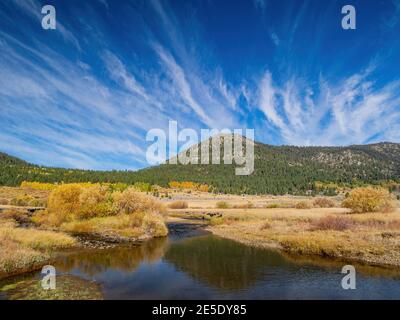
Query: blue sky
[85, 95]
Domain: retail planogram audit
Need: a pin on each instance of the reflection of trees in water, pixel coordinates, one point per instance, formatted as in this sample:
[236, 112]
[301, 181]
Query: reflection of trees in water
[122, 258]
[222, 263]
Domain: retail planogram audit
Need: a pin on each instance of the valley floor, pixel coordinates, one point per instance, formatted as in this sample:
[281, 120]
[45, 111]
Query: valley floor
[377, 245]
[373, 238]
[260, 221]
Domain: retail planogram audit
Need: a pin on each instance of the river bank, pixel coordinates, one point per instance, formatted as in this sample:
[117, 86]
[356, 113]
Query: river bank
[371, 239]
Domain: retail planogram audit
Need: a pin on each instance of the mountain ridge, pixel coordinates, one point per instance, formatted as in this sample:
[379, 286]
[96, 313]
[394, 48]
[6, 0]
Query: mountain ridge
[278, 170]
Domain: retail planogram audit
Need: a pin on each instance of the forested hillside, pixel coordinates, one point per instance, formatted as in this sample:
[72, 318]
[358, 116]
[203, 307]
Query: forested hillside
[278, 170]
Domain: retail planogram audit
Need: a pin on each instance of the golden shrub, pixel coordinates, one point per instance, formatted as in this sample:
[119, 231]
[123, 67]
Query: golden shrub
[22, 200]
[154, 225]
[130, 201]
[136, 219]
[93, 195]
[203, 188]
[303, 205]
[77, 202]
[369, 199]
[323, 203]
[63, 202]
[37, 202]
[93, 208]
[95, 201]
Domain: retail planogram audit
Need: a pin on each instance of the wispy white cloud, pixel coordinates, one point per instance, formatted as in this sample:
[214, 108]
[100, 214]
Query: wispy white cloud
[354, 111]
[268, 102]
[91, 119]
[72, 109]
[205, 92]
[179, 79]
[227, 94]
[120, 74]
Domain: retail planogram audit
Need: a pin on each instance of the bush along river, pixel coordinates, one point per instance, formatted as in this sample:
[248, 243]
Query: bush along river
[192, 264]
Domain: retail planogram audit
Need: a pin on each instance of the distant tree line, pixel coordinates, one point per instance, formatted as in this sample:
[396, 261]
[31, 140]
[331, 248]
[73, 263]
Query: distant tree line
[278, 170]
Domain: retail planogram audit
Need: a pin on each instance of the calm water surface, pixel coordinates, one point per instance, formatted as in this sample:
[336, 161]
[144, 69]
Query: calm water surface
[209, 267]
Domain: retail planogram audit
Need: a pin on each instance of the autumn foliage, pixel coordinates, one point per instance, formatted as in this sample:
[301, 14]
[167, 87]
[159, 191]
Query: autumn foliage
[369, 199]
[75, 206]
[188, 185]
[38, 185]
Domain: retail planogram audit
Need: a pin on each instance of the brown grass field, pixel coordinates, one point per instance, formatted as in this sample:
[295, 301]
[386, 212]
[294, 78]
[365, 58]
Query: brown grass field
[202, 200]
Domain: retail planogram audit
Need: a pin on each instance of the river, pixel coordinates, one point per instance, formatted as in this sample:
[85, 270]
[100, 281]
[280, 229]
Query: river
[200, 266]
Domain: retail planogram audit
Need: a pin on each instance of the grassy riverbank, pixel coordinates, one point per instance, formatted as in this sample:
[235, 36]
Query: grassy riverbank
[369, 238]
[30, 240]
[23, 250]
[306, 226]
